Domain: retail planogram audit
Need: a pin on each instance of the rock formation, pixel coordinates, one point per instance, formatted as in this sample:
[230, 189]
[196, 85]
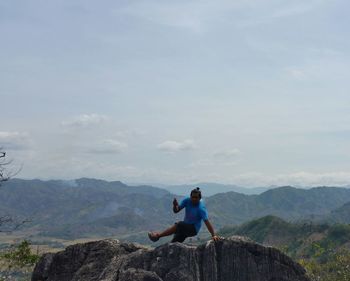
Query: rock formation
[110, 260]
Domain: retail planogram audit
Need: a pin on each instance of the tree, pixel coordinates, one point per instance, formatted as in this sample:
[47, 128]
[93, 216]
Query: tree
[335, 268]
[7, 222]
[5, 172]
[4, 175]
[4, 219]
[17, 262]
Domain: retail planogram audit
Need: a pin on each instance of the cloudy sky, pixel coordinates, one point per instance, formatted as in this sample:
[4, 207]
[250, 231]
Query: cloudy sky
[247, 92]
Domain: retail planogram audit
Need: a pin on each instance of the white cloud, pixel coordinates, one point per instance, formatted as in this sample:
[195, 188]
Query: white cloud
[294, 9]
[14, 140]
[297, 73]
[197, 16]
[79, 167]
[207, 162]
[229, 153]
[298, 179]
[108, 146]
[221, 158]
[317, 179]
[189, 15]
[85, 120]
[174, 146]
[268, 11]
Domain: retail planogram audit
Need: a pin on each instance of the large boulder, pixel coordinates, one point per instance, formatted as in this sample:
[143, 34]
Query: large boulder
[109, 260]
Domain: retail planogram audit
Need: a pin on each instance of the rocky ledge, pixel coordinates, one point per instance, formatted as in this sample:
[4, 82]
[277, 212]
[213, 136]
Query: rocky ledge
[110, 260]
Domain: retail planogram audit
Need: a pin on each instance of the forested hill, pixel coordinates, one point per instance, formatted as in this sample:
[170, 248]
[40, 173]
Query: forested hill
[89, 207]
[299, 240]
[340, 215]
[285, 202]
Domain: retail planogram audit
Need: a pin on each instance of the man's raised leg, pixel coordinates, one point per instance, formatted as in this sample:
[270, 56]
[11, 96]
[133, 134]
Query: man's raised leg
[169, 231]
[154, 236]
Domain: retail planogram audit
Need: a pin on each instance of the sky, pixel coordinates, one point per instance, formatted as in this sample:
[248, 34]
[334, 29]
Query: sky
[245, 92]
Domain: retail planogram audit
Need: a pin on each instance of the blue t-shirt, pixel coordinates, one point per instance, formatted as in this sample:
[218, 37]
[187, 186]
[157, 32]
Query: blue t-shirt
[194, 213]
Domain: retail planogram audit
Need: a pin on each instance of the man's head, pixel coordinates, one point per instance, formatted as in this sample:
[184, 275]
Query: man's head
[196, 196]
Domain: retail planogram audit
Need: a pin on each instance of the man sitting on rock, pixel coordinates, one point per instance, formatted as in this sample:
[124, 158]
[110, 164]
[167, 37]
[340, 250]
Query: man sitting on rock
[190, 226]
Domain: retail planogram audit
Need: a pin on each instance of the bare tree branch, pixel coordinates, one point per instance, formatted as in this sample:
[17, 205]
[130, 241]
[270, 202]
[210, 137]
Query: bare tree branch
[5, 172]
[3, 163]
[8, 223]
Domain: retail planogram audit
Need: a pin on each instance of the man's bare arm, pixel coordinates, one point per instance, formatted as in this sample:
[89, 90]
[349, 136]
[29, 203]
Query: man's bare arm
[211, 230]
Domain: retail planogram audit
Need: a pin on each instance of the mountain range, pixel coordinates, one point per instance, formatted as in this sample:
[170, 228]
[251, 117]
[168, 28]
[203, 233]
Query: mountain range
[90, 207]
[210, 188]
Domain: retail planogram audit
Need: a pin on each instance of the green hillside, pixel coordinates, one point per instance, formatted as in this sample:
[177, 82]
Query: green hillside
[289, 203]
[86, 208]
[340, 215]
[299, 240]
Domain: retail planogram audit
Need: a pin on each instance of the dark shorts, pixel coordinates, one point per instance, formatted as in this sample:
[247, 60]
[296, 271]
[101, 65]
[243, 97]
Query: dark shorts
[183, 230]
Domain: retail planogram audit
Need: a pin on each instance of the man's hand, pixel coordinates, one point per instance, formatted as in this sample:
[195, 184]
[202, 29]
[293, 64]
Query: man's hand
[215, 238]
[175, 206]
[175, 203]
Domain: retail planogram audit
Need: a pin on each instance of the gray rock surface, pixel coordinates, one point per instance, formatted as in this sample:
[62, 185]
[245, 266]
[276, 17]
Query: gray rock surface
[109, 260]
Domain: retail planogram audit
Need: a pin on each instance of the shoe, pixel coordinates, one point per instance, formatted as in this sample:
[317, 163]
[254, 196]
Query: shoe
[153, 236]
